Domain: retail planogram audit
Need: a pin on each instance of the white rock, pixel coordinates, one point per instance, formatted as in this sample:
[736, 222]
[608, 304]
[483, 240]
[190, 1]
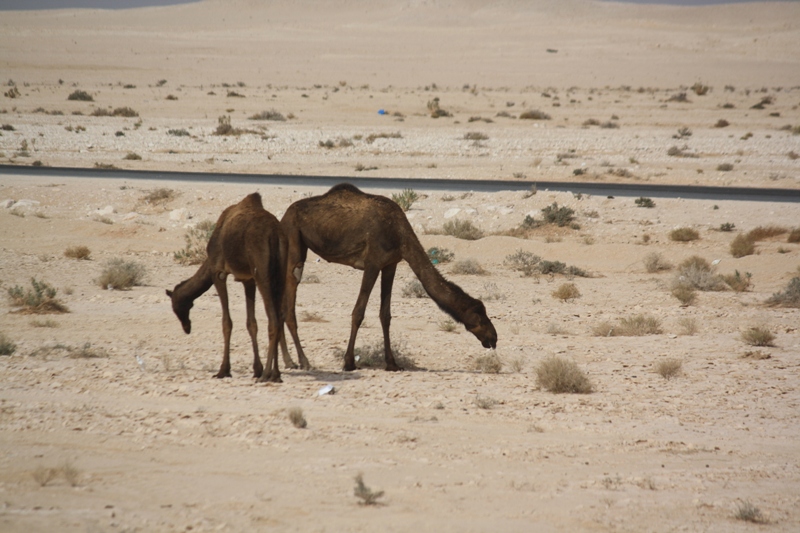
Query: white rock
[179, 214]
[107, 210]
[6, 204]
[450, 213]
[26, 203]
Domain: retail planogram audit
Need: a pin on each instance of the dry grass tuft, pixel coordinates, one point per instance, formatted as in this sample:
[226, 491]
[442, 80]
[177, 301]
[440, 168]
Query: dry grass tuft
[742, 246]
[159, 196]
[758, 336]
[120, 274]
[364, 493]
[77, 252]
[762, 233]
[655, 262]
[447, 325]
[414, 289]
[688, 326]
[566, 292]
[484, 402]
[272, 114]
[7, 346]
[669, 368]
[789, 297]
[738, 282]
[559, 375]
[684, 235]
[697, 273]
[311, 316]
[747, 512]
[534, 115]
[462, 229]
[686, 294]
[297, 418]
[635, 326]
[488, 364]
[468, 267]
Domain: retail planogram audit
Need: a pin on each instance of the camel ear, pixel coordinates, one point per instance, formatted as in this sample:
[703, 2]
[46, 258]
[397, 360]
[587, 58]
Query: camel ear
[169, 293]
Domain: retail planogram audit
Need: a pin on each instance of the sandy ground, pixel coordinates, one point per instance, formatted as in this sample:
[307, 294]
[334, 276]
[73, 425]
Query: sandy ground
[141, 438]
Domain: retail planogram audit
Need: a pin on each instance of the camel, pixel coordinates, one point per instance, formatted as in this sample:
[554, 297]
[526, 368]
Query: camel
[369, 233]
[249, 243]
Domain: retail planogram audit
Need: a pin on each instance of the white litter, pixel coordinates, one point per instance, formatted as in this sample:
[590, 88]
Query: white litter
[327, 389]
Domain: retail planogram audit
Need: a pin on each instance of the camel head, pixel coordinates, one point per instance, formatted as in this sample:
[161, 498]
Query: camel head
[181, 309]
[478, 323]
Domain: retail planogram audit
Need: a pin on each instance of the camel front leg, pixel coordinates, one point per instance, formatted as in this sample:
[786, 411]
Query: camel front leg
[252, 325]
[387, 280]
[220, 283]
[367, 283]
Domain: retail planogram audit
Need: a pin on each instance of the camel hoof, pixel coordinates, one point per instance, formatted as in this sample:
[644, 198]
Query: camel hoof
[393, 368]
[268, 378]
[221, 375]
[349, 368]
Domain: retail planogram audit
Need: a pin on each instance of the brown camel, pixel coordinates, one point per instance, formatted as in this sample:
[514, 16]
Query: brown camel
[370, 233]
[249, 243]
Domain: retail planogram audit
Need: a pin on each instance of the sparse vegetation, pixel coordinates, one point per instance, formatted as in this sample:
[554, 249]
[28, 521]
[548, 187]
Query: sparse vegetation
[634, 326]
[758, 336]
[727, 226]
[435, 110]
[364, 493]
[475, 136]
[684, 234]
[645, 202]
[485, 402]
[794, 236]
[534, 115]
[789, 297]
[761, 233]
[655, 262]
[414, 289]
[674, 151]
[340, 142]
[372, 137]
[560, 216]
[742, 246]
[77, 252]
[696, 273]
[43, 475]
[669, 368]
[559, 375]
[196, 238]
[178, 132]
[39, 299]
[81, 96]
[738, 282]
[132, 156]
[119, 274]
[405, 199]
[297, 418]
[7, 346]
[686, 294]
[488, 364]
[447, 325]
[468, 267]
[272, 114]
[725, 167]
[747, 512]
[566, 292]
[158, 196]
[462, 229]
[688, 326]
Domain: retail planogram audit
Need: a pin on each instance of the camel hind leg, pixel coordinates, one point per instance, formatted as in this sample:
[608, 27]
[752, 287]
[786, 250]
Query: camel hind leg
[252, 325]
[220, 283]
[295, 262]
[272, 305]
[367, 284]
[387, 280]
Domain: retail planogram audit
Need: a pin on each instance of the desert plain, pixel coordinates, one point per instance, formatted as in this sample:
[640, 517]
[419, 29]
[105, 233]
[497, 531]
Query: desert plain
[110, 419]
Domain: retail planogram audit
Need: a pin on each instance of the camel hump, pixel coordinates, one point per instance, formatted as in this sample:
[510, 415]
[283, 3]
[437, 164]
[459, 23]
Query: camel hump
[344, 187]
[253, 199]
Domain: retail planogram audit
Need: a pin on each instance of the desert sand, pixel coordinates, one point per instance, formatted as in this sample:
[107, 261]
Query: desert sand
[120, 406]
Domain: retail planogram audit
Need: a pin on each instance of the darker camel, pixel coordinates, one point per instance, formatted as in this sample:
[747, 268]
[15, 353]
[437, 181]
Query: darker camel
[369, 233]
[249, 243]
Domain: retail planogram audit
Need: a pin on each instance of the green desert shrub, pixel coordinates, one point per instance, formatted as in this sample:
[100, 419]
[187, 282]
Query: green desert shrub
[645, 202]
[81, 96]
[758, 336]
[560, 216]
[40, 298]
[196, 238]
[119, 274]
[559, 375]
[405, 199]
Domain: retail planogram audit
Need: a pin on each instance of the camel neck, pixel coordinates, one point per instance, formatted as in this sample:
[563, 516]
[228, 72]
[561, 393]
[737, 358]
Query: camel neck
[198, 284]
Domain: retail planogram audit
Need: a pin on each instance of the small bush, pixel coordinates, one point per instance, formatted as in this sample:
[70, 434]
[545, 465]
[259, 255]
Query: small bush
[635, 326]
[440, 255]
[372, 137]
[655, 262]
[722, 123]
[81, 96]
[727, 226]
[77, 252]
[669, 368]
[132, 156]
[272, 114]
[761, 233]
[119, 274]
[566, 292]
[297, 418]
[560, 216]
[373, 355]
[725, 167]
[741, 246]
[534, 115]
[794, 236]
[161, 195]
[738, 282]
[522, 261]
[747, 512]
[447, 325]
[340, 142]
[39, 299]
[414, 289]
[559, 375]
[405, 199]
[468, 267]
[688, 326]
[124, 112]
[488, 364]
[475, 136]
[364, 493]
[196, 239]
[485, 402]
[684, 234]
[758, 336]
[645, 202]
[7, 346]
[43, 475]
[178, 132]
[686, 294]
[462, 229]
[674, 151]
[789, 297]
[696, 273]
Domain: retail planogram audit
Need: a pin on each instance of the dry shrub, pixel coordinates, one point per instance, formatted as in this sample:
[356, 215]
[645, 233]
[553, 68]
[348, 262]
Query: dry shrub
[685, 294]
[119, 274]
[696, 273]
[747, 512]
[485, 402]
[372, 137]
[77, 252]
[372, 355]
[762, 233]
[669, 368]
[758, 336]
[297, 418]
[311, 316]
[534, 115]
[559, 375]
[634, 326]
[488, 364]
[684, 234]
[738, 282]
[688, 326]
[447, 325]
[414, 289]
[39, 299]
[725, 167]
[462, 229]
[43, 475]
[468, 267]
[364, 493]
[161, 195]
[560, 216]
[655, 262]
[794, 235]
[81, 96]
[475, 136]
[566, 292]
[7, 346]
[789, 297]
[742, 246]
[272, 114]
[522, 261]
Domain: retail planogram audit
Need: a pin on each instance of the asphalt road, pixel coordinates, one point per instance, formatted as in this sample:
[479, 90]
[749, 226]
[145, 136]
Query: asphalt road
[427, 184]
